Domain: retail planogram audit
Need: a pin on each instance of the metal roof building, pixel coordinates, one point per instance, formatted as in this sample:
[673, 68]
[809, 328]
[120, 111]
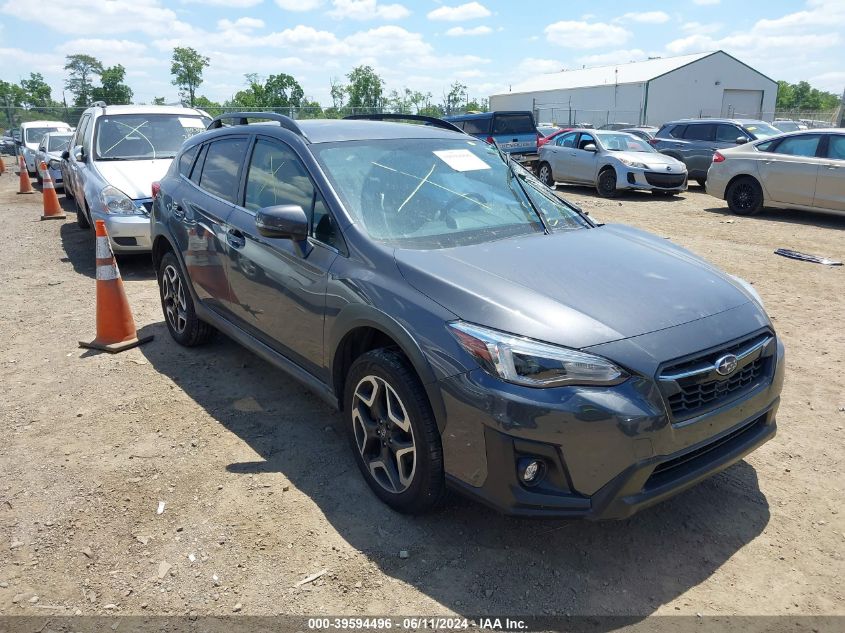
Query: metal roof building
[650, 92]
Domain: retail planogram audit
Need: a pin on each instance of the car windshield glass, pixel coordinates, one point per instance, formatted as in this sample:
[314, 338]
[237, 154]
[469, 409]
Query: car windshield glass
[56, 143]
[35, 134]
[623, 143]
[144, 136]
[761, 130]
[437, 193]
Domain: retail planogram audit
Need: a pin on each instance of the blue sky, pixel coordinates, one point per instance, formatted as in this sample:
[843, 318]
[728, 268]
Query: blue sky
[421, 44]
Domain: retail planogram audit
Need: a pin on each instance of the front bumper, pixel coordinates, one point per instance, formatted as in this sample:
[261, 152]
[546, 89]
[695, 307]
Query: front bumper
[608, 452]
[127, 233]
[651, 180]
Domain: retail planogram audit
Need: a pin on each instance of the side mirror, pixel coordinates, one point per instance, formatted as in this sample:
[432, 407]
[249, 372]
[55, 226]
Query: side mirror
[285, 221]
[590, 147]
[741, 140]
[79, 154]
[65, 155]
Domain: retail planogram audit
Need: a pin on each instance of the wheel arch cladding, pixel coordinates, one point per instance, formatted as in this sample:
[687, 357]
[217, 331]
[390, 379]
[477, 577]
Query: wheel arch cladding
[161, 246]
[361, 328]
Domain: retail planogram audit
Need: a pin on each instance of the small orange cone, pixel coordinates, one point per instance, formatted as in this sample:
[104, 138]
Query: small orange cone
[115, 326]
[52, 208]
[2, 166]
[26, 185]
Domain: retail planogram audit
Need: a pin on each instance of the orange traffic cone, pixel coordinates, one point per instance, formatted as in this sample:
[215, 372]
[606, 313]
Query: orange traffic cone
[115, 326]
[2, 166]
[52, 208]
[26, 185]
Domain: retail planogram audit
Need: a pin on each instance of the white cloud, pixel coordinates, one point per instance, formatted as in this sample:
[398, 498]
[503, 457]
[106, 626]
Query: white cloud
[536, 66]
[241, 24]
[468, 11]
[646, 17]
[698, 27]
[621, 56]
[231, 4]
[583, 35]
[457, 31]
[706, 2]
[299, 5]
[830, 81]
[112, 16]
[367, 10]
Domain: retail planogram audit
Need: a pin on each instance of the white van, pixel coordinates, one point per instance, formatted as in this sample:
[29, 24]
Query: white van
[31, 134]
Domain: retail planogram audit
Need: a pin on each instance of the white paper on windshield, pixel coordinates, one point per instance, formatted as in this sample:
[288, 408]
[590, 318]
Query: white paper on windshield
[461, 160]
[191, 124]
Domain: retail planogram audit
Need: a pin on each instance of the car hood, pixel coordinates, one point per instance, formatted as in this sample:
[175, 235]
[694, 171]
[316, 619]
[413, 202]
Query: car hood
[653, 160]
[134, 177]
[577, 288]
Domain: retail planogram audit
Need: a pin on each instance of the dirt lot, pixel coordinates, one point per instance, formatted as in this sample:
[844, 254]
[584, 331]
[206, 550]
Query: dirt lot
[260, 489]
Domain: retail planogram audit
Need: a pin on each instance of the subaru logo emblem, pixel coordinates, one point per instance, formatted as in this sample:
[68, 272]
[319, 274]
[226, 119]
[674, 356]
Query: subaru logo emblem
[726, 365]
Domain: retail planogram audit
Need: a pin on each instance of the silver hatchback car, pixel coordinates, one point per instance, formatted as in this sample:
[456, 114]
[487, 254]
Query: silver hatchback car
[116, 153]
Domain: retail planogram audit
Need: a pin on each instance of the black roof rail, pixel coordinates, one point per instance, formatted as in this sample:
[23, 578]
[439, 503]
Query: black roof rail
[389, 116]
[241, 118]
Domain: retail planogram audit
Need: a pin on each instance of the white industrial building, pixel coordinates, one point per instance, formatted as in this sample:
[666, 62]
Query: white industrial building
[650, 92]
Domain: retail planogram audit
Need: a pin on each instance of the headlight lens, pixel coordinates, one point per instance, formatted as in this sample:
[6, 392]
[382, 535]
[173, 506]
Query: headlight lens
[749, 289]
[533, 363]
[116, 202]
[633, 163]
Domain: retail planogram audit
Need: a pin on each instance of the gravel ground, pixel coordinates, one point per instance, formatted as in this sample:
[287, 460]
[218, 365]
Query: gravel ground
[260, 491]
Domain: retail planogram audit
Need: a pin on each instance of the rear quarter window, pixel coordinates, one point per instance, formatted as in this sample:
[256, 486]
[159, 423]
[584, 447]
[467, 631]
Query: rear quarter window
[513, 124]
[675, 132]
[186, 160]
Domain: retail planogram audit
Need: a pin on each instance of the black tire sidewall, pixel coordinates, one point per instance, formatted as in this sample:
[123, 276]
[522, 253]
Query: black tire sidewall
[606, 193]
[758, 196]
[189, 335]
[427, 487]
[550, 181]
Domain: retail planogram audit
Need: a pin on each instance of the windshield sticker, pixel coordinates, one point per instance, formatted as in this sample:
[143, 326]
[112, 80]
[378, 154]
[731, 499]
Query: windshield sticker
[461, 160]
[191, 124]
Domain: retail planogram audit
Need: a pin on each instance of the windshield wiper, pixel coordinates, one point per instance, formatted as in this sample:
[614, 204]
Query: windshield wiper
[511, 176]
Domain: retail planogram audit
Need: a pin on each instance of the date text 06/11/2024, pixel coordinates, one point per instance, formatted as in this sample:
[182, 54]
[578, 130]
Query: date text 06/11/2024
[416, 623]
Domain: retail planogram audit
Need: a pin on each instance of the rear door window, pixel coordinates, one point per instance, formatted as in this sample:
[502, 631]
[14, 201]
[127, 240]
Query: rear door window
[222, 167]
[700, 132]
[477, 126]
[513, 124]
[726, 133]
[801, 145]
[836, 147]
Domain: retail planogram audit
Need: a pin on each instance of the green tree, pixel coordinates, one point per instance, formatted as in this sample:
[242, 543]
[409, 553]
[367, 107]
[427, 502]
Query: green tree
[37, 92]
[365, 88]
[113, 91]
[204, 103]
[81, 72]
[338, 93]
[160, 100]
[282, 91]
[802, 96]
[12, 96]
[419, 100]
[454, 100]
[186, 67]
[478, 105]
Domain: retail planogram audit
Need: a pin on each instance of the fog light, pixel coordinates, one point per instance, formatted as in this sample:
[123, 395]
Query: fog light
[530, 470]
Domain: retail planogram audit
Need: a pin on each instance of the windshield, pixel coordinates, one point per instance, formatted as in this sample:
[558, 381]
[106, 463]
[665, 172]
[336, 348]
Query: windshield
[624, 142]
[144, 136]
[761, 130]
[35, 134]
[438, 193]
[58, 143]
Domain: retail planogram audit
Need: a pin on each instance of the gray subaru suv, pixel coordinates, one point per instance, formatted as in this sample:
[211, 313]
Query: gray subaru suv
[694, 141]
[476, 331]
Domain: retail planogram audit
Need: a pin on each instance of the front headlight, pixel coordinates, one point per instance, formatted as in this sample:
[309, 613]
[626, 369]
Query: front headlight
[116, 202]
[633, 163]
[532, 363]
[748, 288]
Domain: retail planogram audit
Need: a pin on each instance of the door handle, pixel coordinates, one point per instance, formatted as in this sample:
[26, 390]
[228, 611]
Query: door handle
[235, 239]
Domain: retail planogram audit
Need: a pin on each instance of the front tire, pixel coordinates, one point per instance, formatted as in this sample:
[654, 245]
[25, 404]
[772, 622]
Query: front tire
[702, 182]
[744, 196]
[178, 305]
[544, 174]
[393, 432]
[81, 219]
[606, 184]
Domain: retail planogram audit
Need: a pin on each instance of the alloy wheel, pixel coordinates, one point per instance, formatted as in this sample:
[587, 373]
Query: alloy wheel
[546, 175]
[743, 196]
[173, 298]
[383, 434]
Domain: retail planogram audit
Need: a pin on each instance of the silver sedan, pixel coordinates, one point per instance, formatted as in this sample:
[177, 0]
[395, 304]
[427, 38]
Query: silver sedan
[610, 161]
